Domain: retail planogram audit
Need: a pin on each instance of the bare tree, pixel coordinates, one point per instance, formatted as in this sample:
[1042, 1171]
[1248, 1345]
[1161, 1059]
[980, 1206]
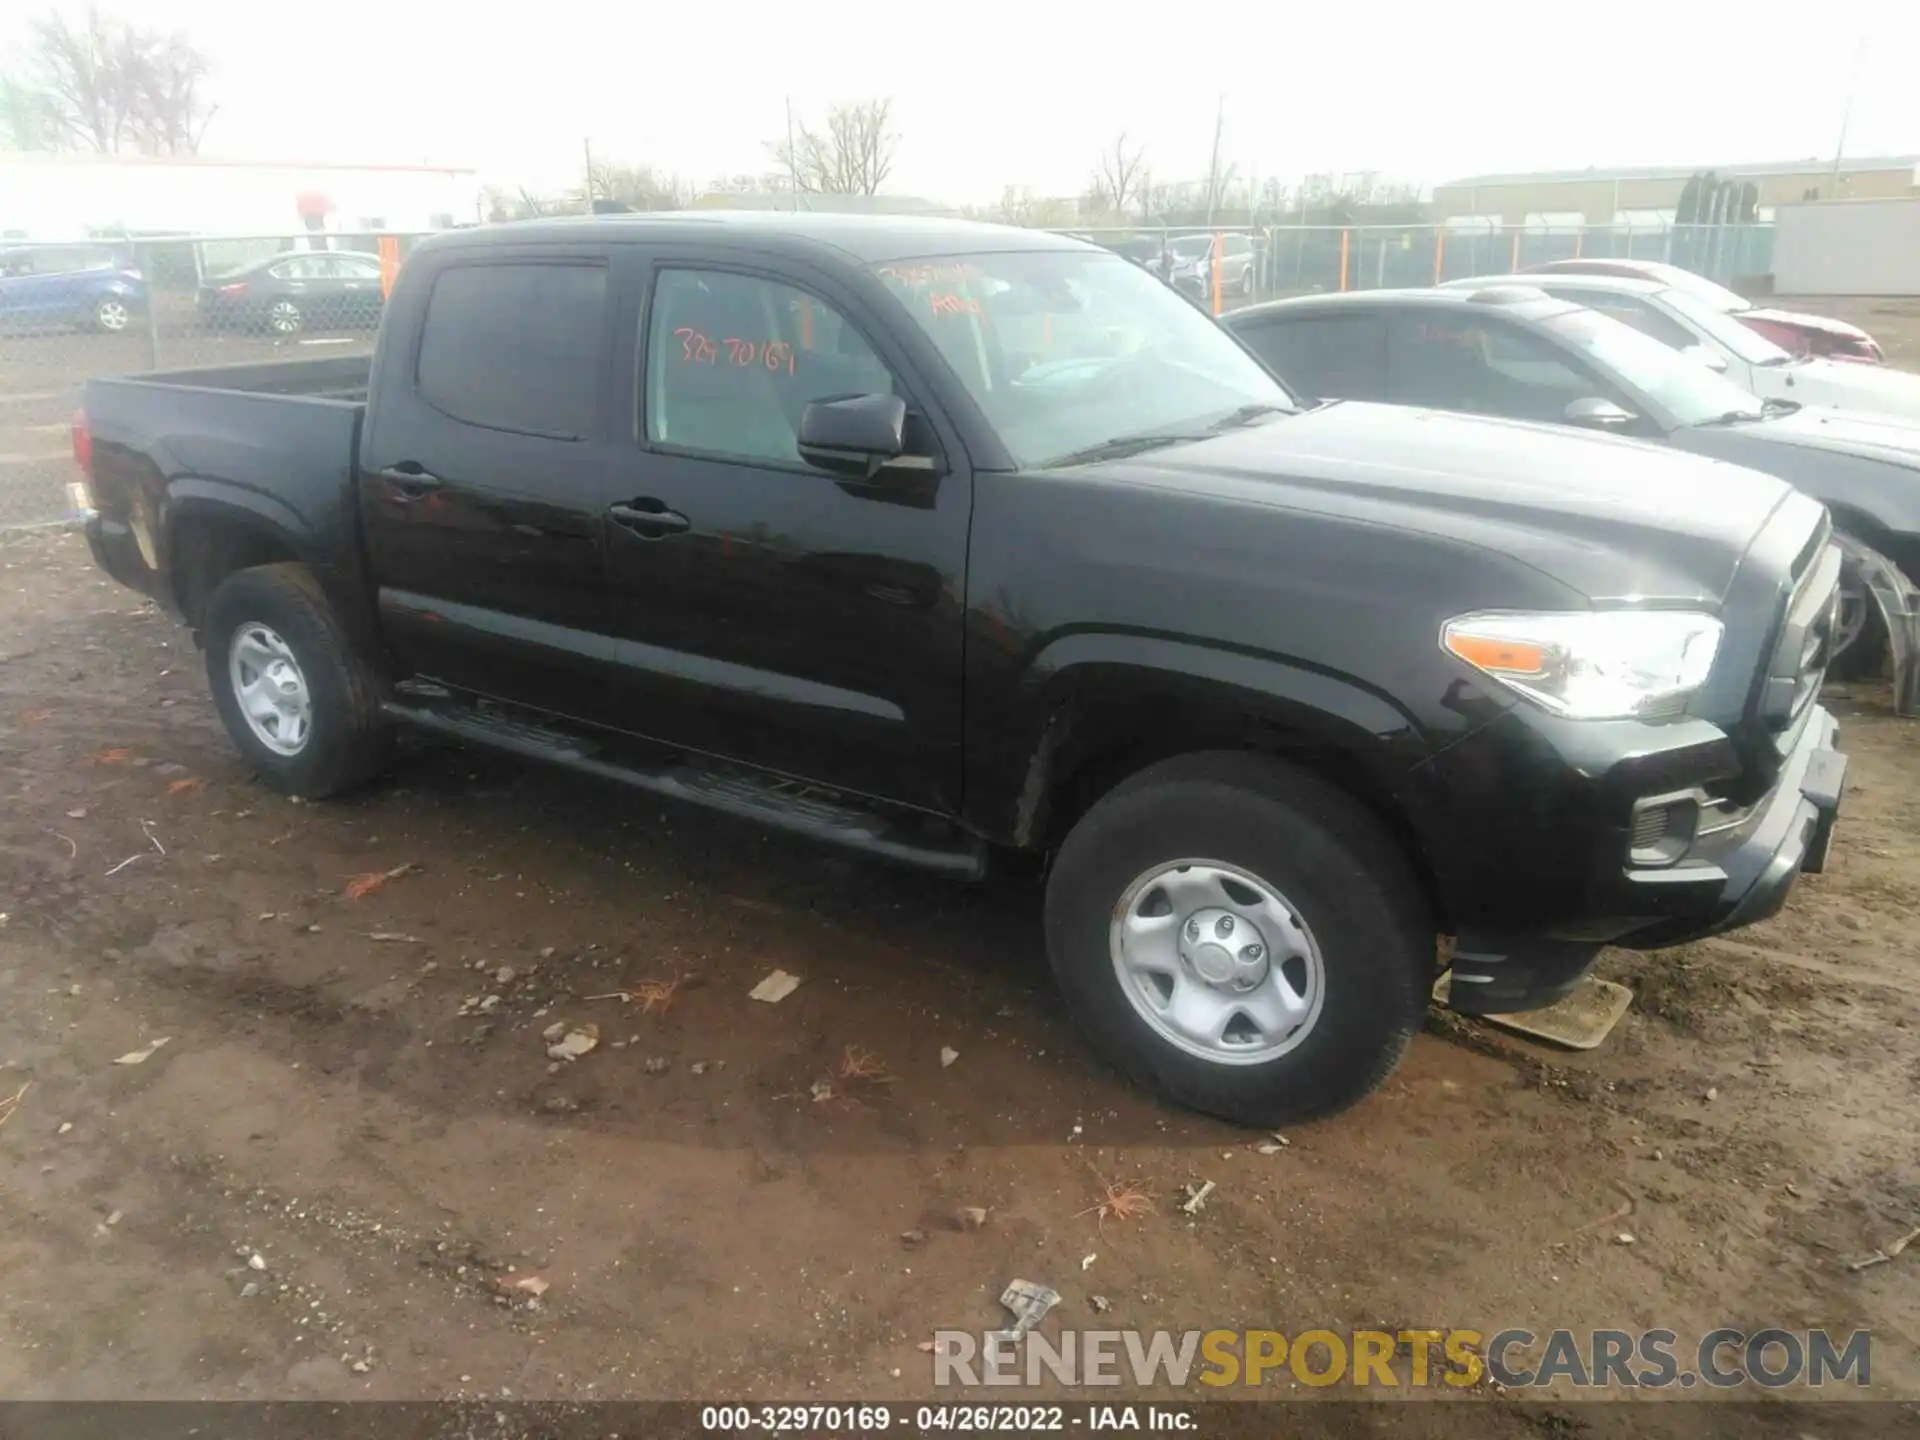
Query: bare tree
[852, 154]
[1119, 176]
[27, 120]
[1020, 206]
[98, 83]
[633, 187]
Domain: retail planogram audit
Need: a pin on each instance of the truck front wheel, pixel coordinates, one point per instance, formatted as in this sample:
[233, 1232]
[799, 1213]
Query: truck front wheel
[1240, 936]
[299, 703]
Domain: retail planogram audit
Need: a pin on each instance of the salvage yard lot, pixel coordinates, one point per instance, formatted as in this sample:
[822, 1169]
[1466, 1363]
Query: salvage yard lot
[709, 1218]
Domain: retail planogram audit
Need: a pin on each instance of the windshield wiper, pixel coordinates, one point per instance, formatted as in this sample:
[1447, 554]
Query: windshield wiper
[1245, 415]
[1735, 417]
[1121, 446]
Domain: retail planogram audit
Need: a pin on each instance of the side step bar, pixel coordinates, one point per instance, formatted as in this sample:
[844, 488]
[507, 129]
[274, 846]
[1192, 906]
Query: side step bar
[906, 837]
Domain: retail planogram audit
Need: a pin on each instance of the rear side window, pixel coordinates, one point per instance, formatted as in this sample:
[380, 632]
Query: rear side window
[1329, 357]
[515, 347]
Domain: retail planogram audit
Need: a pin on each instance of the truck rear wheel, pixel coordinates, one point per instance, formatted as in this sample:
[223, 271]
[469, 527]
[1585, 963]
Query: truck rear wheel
[1241, 937]
[299, 703]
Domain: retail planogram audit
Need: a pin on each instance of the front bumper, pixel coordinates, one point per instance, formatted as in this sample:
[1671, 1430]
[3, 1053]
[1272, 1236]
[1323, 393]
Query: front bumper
[1730, 879]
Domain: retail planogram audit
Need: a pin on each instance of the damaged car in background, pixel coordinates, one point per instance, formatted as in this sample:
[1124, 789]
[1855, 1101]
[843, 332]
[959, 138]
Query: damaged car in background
[1506, 348]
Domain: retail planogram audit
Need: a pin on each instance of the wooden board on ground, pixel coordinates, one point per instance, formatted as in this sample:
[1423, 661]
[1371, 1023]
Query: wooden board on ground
[1580, 1021]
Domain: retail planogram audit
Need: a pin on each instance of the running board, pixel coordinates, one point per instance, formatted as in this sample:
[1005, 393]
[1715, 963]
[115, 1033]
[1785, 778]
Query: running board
[907, 837]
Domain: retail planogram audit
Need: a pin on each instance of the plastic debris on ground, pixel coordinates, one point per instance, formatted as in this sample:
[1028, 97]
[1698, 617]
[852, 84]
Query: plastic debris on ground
[1029, 1303]
[775, 988]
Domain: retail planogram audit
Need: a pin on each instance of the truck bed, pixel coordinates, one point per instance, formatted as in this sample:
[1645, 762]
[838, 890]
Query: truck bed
[275, 442]
[342, 377]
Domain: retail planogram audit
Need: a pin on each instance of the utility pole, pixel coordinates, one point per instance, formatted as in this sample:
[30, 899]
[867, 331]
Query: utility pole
[793, 161]
[1846, 115]
[1213, 165]
[587, 145]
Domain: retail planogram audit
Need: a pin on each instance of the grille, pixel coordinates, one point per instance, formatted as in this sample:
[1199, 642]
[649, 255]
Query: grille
[1648, 826]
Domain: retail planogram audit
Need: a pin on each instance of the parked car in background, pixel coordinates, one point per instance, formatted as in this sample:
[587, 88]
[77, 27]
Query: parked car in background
[1678, 318]
[1793, 330]
[1509, 350]
[1195, 263]
[56, 287]
[301, 290]
[759, 511]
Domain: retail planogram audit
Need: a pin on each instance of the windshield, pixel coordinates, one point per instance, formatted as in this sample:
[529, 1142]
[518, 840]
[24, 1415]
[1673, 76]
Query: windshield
[1192, 247]
[1683, 387]
[1067, 350]
[1727, 332]
[1704, 290]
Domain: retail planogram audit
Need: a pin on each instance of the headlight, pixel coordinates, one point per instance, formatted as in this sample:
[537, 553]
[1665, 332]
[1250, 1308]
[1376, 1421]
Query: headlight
[1591, 664]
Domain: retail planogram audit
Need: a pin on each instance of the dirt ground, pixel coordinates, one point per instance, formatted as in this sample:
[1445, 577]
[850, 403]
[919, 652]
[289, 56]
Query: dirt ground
[342, 1095]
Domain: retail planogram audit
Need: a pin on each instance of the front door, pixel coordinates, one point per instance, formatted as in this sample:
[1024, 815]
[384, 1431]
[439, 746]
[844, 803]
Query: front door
[768, 611]
[481, 477]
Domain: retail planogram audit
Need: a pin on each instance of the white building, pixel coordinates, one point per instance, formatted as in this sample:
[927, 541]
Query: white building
[64, 197]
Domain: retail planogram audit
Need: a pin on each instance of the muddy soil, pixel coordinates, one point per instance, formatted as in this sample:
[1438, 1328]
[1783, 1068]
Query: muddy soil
[358, 1093]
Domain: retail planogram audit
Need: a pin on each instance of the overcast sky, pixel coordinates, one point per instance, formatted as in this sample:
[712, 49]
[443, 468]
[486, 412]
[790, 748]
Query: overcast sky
[994, 92]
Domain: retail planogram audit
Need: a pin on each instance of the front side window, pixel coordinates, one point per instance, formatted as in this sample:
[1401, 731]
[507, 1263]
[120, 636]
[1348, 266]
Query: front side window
[1687, 390]
[1068, 350]
[734, 360]
[1635, 311]
[1483, 367]
[515, 347]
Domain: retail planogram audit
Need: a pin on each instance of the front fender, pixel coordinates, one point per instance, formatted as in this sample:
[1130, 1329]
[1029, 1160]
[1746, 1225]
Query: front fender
[1087, 689]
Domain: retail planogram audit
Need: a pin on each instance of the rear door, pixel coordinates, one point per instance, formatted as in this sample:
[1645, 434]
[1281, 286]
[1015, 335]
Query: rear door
[357, 279]
[481, 474]
[770, 612]
[35, 286]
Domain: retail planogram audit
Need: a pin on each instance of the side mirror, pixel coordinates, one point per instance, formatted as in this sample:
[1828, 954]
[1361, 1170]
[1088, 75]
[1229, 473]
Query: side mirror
[1595, 413]
[1712, 359]
[855, 434]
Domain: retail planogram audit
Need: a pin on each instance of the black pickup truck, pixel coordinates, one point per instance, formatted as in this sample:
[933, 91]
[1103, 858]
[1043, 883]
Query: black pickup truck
[942, 541]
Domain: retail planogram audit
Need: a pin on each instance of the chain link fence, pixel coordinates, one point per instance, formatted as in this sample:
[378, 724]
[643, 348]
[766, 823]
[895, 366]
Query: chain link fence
[1267, 262]
[1304, 259]
[74, 310]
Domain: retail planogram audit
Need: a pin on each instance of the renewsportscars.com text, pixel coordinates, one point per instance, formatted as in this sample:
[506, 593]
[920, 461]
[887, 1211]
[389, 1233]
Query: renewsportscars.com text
[1408, 1359]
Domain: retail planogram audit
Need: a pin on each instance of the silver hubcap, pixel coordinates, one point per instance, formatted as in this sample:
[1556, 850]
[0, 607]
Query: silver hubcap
[113, 315]
[270, 688]
[284, 317]
[1217, 962]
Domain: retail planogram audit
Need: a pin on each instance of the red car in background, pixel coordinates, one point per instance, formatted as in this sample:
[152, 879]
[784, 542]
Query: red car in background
[1789, 329]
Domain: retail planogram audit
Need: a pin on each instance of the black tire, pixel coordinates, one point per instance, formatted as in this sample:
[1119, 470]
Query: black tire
[1866, 655]
[349, 738]
[1332, 860]
[1246, 283]
[284, 317]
